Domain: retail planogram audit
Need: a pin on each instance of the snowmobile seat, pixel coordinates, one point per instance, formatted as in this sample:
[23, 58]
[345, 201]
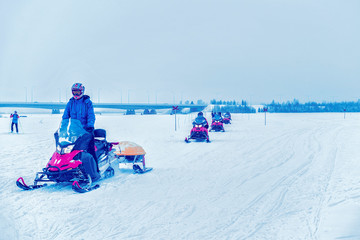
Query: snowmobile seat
[101, 147]
[100, 134]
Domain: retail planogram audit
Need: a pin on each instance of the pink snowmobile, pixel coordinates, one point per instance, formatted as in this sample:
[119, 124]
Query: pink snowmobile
[217, 124]
[199, 131]
[227, 118]
[72, 163]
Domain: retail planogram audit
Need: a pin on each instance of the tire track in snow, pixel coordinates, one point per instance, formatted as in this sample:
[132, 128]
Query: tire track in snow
[316, 160]
[332, 156]
[284, 183]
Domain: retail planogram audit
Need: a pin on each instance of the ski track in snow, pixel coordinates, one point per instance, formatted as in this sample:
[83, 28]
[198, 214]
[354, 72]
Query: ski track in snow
[286, 180]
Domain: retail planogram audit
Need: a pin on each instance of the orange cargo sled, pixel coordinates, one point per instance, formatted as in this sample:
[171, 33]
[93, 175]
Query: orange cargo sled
[126, 148]
[131, 153]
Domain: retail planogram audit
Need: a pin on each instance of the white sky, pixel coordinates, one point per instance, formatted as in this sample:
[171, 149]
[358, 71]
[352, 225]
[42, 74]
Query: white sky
[165, 50]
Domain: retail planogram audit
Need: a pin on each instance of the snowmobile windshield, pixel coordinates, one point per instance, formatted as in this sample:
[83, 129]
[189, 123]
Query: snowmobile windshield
[70, 130]
[217, 118]
[199, 120]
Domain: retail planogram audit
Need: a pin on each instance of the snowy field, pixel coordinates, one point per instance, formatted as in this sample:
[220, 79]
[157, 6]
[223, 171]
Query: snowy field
[296, 178]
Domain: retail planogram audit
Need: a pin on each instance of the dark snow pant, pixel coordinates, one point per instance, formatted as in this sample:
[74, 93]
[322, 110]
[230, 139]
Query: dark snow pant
[91, 150]
[90, 165]
[12, 127]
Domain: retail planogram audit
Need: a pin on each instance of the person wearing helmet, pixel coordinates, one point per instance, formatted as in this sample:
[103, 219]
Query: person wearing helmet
[200, 118]
[15, 119]
[80, 107]
[218, 117]
[227, 115]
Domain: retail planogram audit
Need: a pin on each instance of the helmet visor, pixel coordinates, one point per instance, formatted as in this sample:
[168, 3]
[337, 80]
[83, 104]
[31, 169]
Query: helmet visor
[76, 92]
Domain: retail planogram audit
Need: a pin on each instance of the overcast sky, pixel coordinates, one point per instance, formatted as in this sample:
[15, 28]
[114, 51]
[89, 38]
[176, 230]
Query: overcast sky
[167, 50]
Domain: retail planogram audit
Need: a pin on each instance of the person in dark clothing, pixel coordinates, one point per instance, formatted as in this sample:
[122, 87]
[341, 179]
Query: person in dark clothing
[202, 119]
[80, 107]
[199, 121]
[217, 117]
[227, 115]
[15, 120]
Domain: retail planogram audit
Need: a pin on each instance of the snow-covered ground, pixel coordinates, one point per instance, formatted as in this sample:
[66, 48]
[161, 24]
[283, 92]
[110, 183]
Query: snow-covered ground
[295, 178]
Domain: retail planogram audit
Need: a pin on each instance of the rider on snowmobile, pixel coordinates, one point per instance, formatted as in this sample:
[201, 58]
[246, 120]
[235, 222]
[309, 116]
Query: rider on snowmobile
[227, 115]
[201, 119]
[217, 117]
[200, 129]
[80, 107]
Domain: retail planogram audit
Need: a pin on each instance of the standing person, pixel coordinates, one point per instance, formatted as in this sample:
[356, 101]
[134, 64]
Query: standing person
[80, 107]
[15, 120]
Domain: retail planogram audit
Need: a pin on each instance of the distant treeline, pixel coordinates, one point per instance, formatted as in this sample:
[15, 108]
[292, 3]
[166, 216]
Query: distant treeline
[295, 106]
[232, 106]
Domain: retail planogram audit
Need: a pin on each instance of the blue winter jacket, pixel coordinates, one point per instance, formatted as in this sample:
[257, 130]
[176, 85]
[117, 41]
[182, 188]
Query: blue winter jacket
[81, 109]
[14, 117]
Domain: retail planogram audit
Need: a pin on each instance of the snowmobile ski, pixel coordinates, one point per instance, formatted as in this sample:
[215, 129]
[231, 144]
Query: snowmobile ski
[109, 172]
[21, 184]
[77, 188]
[187, 140]
[139, 170]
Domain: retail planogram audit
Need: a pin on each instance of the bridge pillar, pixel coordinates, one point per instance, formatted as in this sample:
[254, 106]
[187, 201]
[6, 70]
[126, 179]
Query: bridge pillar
[130, 112]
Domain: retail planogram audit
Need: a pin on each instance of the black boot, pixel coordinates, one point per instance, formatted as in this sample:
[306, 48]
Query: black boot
[90, 166]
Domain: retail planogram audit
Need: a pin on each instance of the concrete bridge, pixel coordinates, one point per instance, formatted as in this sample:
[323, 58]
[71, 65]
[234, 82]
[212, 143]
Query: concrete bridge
[56, 107]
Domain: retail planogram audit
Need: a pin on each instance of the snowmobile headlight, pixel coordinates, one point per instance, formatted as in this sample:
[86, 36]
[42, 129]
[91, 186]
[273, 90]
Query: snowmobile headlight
[67, 149]
[58, 149]
[197, 126]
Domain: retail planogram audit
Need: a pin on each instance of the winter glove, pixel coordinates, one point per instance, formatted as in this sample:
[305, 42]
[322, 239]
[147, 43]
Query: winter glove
[89, 129]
